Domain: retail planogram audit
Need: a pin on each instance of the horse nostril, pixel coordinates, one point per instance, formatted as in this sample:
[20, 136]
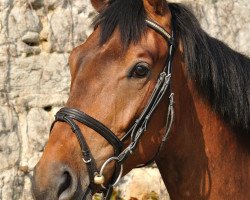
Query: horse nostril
[67, 186]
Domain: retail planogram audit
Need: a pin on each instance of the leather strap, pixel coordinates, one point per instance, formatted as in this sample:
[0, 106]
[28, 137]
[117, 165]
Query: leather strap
[95, 125]
[86, 153]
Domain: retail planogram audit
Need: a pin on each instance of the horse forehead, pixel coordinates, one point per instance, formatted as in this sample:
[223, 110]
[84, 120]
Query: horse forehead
[92, 50]
[92, 53]
[115, 49]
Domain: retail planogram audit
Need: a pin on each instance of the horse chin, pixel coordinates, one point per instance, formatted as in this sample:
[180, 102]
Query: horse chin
[89, 196]
[86, 196]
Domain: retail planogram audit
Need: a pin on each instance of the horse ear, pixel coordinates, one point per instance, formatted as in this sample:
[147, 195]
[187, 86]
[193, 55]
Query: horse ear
[99, 4]
[159, 7]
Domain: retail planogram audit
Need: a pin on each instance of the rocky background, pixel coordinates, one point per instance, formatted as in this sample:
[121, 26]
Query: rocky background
[36, 37]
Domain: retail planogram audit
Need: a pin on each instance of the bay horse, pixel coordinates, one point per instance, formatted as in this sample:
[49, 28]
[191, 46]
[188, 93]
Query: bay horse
[150, 84]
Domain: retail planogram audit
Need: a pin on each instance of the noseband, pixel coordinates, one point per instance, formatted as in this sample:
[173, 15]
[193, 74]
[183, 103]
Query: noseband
[70, 115]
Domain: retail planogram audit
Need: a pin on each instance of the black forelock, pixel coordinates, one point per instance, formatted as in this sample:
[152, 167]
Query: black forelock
[128, 15]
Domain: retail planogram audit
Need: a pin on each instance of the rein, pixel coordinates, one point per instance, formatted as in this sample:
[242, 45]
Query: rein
[70, 115]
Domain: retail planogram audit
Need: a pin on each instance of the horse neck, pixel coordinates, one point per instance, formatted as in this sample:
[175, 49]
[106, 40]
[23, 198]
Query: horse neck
[202, 156]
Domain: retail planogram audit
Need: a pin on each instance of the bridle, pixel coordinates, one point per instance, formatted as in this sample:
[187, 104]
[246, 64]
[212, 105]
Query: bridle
[70, 115]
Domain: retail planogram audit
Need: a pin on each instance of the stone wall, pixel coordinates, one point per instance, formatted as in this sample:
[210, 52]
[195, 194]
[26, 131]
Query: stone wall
[36, 37]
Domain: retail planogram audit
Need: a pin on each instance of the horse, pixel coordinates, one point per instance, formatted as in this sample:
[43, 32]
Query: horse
[149, 84]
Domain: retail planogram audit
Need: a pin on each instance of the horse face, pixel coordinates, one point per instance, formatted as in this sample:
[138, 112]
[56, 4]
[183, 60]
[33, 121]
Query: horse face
[112, 84]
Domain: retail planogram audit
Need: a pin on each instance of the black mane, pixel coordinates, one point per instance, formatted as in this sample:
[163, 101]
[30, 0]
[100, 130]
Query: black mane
[221, 75]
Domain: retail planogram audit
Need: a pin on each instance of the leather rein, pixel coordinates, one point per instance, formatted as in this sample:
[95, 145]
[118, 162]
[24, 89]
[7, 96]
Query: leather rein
[71, 115]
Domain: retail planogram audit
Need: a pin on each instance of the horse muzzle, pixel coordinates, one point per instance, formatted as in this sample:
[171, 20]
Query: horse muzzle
[61, 183]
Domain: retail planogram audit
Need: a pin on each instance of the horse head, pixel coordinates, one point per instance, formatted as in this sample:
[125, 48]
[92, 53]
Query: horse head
[115, 117]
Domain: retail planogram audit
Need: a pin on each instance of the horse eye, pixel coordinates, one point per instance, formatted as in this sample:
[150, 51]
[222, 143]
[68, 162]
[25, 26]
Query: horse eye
[139, 71]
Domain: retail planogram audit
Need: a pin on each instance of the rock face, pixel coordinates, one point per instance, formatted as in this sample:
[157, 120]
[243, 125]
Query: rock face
[36, 37]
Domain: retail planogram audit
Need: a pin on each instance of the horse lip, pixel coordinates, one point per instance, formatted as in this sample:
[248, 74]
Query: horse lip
[83, 196]
[87, 194]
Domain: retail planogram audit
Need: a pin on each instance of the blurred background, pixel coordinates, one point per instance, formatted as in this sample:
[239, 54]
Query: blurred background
[36, 37]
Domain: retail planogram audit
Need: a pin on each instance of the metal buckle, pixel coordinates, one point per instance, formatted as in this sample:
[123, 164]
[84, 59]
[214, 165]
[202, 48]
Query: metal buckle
[86, 161]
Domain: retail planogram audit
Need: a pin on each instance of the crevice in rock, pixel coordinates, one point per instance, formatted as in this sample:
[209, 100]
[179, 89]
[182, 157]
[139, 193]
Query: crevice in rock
[47, 108]
[32, 44]
[36, 5]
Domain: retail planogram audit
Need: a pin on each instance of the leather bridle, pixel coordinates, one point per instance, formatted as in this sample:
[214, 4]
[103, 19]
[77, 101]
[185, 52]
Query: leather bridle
[71, 115]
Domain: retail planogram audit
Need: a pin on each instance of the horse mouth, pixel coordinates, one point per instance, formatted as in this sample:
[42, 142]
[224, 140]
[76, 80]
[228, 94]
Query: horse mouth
[87, 195]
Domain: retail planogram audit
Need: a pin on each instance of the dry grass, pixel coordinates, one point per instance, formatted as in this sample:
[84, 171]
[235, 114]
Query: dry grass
[116, 196]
